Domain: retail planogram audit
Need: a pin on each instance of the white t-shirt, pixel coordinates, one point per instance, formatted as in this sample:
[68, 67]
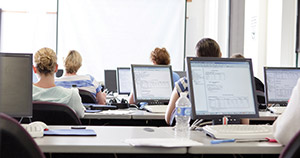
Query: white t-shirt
[69, 97]
[287, 125]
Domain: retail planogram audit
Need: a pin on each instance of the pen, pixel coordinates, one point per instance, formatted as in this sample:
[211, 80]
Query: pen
[251, 140]
[222, 141]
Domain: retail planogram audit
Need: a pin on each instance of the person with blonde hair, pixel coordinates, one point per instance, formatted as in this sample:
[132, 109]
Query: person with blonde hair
[72, 64]
[45, 89]
[206, 47]
[159, 56]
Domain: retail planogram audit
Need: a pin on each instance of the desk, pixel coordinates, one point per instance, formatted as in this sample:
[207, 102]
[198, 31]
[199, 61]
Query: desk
[229, 148]
[132, 115]
[110, 139]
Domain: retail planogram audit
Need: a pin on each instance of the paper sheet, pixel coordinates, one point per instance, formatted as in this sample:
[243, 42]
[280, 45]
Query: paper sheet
[162, 142]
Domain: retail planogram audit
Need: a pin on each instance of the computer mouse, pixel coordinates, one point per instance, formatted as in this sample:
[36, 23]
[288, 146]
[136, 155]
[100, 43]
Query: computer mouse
[149, 129]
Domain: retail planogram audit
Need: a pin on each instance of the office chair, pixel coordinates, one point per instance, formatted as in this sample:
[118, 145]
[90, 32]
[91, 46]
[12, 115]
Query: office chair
[87, 97]
[292, 149]
[260, 91]
[15, 142]
[54, 113]
[59, 73]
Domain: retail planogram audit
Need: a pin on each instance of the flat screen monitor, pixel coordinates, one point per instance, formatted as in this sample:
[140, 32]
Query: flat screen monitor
[181, 73]
[124, 80]
[16, 84]
[152, 83]
[221, 88]
[279, 83]
[110, 80]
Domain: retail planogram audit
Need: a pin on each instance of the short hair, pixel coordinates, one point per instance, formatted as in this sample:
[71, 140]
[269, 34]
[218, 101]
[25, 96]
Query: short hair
[46, 61]
[160, 56]
[238, 56]
[207, 47]
[73, 62]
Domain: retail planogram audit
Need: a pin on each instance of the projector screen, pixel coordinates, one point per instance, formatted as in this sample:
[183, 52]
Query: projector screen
[117, 33]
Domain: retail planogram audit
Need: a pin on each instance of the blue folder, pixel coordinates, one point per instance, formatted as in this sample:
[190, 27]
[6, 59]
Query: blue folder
[70, 132]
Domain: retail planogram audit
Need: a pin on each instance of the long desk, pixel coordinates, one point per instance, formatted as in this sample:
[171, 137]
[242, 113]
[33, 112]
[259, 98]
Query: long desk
[132, 114]
[111, 139]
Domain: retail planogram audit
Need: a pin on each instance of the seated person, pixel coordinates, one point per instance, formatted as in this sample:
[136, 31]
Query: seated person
[85, 82]
[286, 125]
[45, 90]
[159, 56]
[206, 47]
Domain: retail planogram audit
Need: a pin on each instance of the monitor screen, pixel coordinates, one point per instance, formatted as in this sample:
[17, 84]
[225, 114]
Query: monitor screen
[110, 80]
[279, 83]
[124, 80]
[16, 84]
[152, 83]
[221, 87]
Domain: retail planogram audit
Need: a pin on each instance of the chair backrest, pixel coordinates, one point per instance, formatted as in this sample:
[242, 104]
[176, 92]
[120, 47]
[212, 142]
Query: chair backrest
[87, 97]
[260, 91]
[54, 113]
[15, 142]
[292, 149]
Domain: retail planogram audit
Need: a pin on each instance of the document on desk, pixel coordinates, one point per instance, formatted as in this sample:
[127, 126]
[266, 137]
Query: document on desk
[162, 142]
[116, 112]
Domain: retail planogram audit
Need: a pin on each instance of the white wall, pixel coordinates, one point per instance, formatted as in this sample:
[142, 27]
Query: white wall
[204, 20]
[270, 29]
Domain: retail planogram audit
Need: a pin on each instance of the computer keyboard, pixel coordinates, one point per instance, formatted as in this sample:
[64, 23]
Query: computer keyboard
[239, 131]
[277, 109]
[156, 108]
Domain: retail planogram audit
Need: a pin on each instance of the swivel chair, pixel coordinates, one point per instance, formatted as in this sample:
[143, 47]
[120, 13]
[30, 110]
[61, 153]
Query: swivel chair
[87, 97]
[54, 113]
[15, 142]
[292, 149]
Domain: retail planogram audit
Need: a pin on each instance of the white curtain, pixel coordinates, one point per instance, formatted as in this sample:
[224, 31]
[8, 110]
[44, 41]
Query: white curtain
[117, 33]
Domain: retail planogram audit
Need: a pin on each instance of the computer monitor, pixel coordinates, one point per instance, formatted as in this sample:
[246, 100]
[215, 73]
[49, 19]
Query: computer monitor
[152, 83]
[181, 73]
[221, 89]
[16, 84]
[124, 80]
[110, 80]
[279, 83]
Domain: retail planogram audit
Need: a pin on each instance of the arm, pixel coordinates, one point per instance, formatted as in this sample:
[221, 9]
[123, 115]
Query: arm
[171, 106]
[101, 98]
[130, 99]
[286, 126]
[75, 103]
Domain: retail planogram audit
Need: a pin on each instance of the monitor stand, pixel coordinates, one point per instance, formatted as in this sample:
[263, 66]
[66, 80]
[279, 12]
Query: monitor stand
[226, 120]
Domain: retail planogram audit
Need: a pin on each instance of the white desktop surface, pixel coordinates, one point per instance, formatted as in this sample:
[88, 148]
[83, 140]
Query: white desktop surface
[136, 114]
[230, 147]
[109, 139]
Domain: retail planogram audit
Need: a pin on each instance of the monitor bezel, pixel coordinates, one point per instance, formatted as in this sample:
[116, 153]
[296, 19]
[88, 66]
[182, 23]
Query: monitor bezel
[30, 56]
[118, 80]
[191, 90]
[152, 101]
[266, 84]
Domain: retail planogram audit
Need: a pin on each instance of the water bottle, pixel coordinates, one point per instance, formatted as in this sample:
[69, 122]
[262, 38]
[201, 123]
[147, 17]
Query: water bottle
[183, 116]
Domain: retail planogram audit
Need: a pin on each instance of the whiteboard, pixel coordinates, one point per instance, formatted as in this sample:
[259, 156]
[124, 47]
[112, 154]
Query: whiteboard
[116, 33]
